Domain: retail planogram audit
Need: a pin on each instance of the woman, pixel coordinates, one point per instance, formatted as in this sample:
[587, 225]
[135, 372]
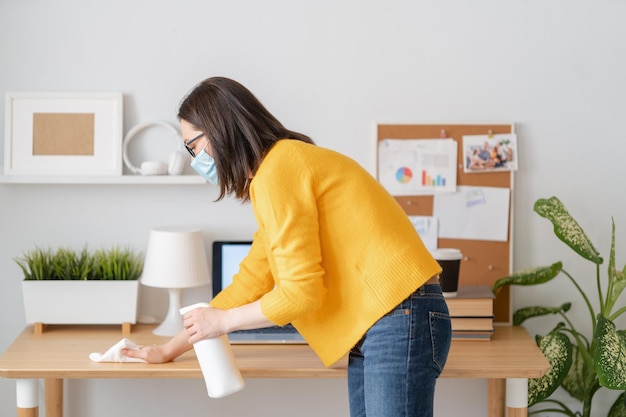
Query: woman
[334, 255]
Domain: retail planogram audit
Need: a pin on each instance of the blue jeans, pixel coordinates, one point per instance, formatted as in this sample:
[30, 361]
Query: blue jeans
[393, 369]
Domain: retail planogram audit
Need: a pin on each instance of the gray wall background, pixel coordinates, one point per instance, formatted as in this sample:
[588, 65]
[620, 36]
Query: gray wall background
[331, 69]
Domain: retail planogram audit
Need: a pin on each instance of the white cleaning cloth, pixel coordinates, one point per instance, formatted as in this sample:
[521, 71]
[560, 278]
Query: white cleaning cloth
[114, 354]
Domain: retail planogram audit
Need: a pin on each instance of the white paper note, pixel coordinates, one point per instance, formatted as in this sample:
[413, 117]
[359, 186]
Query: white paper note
[426, 227]
[478, 213]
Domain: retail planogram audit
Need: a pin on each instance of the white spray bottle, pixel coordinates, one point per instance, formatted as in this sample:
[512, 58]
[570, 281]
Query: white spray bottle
[217, 362]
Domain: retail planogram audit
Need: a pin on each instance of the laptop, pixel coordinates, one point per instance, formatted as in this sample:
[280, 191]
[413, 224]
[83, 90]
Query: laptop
[227, 255]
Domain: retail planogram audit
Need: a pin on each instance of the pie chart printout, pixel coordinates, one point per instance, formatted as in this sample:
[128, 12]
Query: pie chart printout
[409, 167]
[404, 175]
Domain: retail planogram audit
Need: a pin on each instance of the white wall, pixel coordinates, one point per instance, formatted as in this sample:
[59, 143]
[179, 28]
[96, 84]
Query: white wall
[331, 69]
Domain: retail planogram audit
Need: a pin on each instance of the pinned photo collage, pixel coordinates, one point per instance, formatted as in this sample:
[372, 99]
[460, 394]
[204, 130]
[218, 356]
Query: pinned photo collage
[489, 153]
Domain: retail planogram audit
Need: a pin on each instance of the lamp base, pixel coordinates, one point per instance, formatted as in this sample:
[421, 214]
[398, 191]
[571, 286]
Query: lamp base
[173, 322]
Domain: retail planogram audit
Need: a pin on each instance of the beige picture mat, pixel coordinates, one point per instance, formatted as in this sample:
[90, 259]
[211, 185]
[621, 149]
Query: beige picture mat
[63, 133]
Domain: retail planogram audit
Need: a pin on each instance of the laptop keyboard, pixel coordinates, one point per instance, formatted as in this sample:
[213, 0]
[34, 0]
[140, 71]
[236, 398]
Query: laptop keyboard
[288, 328]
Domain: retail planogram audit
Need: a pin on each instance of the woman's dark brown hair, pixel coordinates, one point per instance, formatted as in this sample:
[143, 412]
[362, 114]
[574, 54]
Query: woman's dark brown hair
[239, 128]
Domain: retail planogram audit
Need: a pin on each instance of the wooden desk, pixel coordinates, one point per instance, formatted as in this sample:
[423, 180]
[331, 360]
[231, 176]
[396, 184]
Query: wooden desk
[61, 352]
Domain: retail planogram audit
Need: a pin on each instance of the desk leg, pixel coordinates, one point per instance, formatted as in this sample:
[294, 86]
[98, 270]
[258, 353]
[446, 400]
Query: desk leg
[495, 396]
[517, 397]
[54, 397]
[27, 397]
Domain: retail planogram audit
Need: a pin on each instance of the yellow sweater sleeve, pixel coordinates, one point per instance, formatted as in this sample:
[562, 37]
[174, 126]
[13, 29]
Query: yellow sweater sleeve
[253, 280]
[285, 204]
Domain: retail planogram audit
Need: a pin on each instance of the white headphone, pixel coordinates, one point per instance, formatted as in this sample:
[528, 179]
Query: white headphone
[177, 158]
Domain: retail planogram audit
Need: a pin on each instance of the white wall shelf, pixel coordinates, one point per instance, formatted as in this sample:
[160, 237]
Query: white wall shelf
[105, 179]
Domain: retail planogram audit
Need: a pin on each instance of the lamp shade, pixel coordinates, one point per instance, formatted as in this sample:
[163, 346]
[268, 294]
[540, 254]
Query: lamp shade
[175, 258]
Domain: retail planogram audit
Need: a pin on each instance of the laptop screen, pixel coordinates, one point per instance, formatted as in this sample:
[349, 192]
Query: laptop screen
[227, 255]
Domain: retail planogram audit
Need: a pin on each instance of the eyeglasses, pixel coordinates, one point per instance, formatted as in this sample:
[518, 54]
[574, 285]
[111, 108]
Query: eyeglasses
[189, 149]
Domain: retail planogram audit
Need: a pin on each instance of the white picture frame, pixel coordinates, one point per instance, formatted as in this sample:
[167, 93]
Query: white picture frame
[63, 133]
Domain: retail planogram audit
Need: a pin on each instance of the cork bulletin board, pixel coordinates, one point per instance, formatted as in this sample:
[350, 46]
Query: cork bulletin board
[484, 261]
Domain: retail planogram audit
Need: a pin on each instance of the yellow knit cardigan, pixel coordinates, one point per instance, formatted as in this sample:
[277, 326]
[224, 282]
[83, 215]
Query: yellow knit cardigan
[333, 251]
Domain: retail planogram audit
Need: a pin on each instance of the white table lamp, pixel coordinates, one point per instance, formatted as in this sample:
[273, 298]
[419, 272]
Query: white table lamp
[175, 259]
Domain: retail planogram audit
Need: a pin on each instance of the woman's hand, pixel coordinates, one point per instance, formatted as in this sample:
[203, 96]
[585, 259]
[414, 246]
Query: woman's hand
[205, 323]
[166, 352]
[150, 354]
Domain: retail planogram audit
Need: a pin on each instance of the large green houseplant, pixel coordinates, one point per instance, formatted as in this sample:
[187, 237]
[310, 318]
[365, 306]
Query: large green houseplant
[580, 364]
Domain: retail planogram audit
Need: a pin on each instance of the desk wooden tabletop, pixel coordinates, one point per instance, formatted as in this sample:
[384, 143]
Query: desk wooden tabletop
[63, 352]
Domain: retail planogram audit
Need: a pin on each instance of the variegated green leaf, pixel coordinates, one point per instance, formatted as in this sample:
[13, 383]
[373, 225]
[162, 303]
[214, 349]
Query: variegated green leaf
[574, 382]
[616, 278]
[567, 229]
[610, 357]
[523, 314]
[618, 409]
[619, 283]
[530, 276]
[557, 348]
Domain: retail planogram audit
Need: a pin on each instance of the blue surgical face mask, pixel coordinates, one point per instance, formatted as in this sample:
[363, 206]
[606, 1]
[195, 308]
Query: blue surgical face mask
[204, 164]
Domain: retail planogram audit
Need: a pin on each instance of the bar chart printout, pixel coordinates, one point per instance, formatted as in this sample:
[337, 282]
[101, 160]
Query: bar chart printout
[417, 166]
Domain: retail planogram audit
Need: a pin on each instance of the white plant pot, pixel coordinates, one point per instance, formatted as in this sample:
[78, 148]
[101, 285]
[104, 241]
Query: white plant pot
[80, 302]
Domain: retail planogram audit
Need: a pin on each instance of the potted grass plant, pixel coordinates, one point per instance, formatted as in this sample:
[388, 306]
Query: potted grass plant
[581, 364]
[67, 286]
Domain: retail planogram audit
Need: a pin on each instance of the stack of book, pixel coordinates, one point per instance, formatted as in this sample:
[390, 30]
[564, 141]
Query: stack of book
[471, 312]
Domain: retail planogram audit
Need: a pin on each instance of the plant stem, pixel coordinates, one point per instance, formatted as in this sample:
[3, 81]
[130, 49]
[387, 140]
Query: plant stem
[578, 336]
[589, 398]
[591, 311]
[581, 341]
[563, 410]
[551, 410]
[600, 295]
[617, 313]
